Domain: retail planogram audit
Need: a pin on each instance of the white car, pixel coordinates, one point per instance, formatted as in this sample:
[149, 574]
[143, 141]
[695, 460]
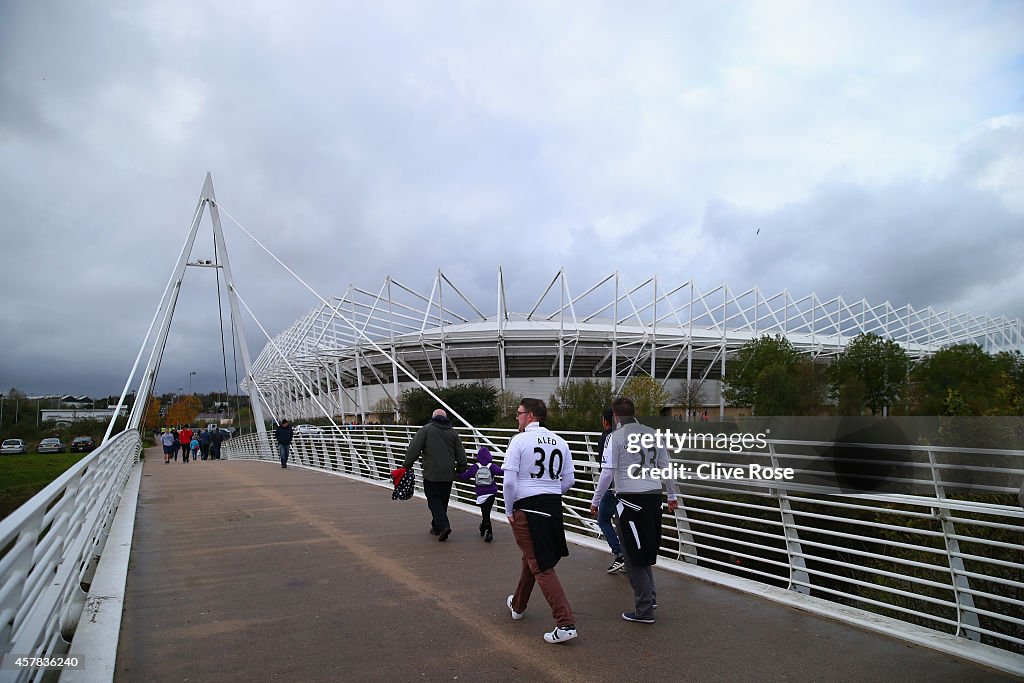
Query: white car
[307, 429]
[13, 447]
[51, 445]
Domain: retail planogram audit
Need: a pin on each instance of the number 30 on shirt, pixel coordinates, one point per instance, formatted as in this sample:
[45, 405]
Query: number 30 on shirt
[548, 463]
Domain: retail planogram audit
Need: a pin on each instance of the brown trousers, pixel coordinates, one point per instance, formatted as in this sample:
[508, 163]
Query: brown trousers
[548, 581]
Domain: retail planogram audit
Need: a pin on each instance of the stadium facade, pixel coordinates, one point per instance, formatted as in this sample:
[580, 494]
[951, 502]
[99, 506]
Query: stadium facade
[356, 353]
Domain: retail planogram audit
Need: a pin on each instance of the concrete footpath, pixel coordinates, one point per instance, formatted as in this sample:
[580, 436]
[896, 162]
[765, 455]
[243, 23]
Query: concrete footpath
[243, 571]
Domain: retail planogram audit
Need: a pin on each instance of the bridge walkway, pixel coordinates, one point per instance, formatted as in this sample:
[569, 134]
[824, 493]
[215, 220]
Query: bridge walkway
[242, 571]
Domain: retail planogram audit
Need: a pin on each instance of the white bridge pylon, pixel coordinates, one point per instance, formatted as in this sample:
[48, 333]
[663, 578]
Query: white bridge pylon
[165, 313]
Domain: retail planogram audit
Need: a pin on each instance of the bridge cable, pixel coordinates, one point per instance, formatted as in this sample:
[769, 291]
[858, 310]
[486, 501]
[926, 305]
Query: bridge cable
[348, 322]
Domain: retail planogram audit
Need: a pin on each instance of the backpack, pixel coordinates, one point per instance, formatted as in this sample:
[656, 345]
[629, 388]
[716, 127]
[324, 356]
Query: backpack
[484, 476]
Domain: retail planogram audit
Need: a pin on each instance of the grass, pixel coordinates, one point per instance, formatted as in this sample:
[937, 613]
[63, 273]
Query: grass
[23, 476]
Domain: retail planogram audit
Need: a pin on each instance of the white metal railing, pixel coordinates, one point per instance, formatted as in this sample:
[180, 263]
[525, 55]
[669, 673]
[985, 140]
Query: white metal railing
[944, 549]
[49, 549]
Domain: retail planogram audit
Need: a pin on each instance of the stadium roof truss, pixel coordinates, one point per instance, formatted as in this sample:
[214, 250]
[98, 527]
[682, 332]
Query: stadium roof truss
[609, 331]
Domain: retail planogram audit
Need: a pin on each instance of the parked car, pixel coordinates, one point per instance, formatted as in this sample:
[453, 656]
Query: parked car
[82, 443]
[51, 445]
[13, 447]
[307, 429]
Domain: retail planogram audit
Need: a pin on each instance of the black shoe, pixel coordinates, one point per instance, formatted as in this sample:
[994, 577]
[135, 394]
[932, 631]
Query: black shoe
[483, 529]
[434, 532]
[488, 537]
[618, 564]
[444, 535]
[633, 616]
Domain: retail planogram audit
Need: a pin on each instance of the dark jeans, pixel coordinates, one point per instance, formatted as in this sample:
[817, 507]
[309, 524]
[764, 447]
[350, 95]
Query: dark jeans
[438, 493]
[485, 510]
[605, 512]
[641, 579]
[283, 452]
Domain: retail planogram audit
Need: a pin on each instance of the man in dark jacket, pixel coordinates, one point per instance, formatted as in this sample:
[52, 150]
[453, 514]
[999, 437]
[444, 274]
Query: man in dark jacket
[283, 434]
[443, 456]
[215, 441]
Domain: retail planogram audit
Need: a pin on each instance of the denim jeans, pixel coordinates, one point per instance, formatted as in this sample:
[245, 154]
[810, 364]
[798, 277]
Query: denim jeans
[605, 512]
[283, 452]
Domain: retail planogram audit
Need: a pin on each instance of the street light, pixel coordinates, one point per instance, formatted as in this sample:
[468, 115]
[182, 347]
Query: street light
[190, 382]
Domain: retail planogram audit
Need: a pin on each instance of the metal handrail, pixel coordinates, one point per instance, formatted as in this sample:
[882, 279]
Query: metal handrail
[860, 549]
[49, 549]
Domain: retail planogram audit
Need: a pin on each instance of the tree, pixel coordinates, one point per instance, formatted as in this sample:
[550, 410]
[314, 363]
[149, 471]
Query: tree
[648, 395]
[577, 405]
[772, 378]
[476, 402]
[386, 409]
[961, 380]
[152, 420]
[871, 371]
[507, 402]
[1009, 395]
[184, 410]
[690, 396]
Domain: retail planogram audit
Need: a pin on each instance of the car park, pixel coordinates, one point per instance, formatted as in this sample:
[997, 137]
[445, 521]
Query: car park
[51, 445]
[13, 447]
[82, 444]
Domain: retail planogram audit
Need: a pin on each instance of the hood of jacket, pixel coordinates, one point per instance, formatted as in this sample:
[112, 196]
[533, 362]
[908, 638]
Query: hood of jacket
[484, 457]
[442, 422]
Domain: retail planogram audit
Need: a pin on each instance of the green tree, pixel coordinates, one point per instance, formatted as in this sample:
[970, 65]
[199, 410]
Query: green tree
[648, 395]
[769, 375]
[1009, 395]
[577, 405]
[962, 378]
[871, 371]
[476, 402]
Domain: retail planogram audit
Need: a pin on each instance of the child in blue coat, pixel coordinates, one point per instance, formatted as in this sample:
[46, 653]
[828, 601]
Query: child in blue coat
[484, 474]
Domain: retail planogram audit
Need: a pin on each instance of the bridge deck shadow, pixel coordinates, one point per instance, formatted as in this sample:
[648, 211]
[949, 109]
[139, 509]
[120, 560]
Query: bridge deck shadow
[242, 571]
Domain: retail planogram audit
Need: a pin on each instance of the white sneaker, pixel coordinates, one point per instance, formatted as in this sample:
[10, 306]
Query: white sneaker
[561, 634]
[515, 615]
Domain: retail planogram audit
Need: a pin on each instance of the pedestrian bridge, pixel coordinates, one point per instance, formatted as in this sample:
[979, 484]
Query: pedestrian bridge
[239, 570]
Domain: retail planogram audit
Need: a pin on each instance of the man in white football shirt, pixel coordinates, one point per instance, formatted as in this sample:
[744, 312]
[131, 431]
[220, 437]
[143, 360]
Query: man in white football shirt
[538, 471]
[629, 464]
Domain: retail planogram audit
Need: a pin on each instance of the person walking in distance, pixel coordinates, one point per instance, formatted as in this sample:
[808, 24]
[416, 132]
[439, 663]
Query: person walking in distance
[629, 464]
[443, 455]
[168, 441]
[185, 439]
[606, 508]
[215, 440]
[283, 434]
[538, 471]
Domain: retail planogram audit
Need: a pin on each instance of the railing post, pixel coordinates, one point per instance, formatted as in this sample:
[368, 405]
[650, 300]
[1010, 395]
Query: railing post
[799, 579]
[966, 617]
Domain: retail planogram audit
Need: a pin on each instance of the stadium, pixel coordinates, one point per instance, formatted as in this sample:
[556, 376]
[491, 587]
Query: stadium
[354, 355]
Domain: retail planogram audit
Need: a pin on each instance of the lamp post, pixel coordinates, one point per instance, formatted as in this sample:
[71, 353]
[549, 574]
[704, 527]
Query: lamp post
[190, 382]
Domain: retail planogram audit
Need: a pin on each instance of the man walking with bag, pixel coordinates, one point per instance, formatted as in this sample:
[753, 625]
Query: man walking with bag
[443, 455]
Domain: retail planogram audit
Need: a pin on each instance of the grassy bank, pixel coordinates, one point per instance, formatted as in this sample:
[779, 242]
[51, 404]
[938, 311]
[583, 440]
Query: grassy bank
[23, 476]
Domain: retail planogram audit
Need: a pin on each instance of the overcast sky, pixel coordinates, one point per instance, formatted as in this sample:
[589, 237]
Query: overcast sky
[878, 146]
